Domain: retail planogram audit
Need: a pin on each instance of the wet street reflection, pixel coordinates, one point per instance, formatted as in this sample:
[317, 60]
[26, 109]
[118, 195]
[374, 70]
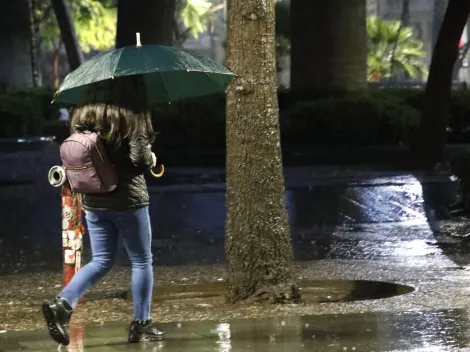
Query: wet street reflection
[427, 331]
[370, 223]
[361, 219]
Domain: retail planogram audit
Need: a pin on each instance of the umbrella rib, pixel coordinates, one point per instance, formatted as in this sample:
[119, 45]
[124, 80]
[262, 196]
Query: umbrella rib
[117, 61]
[214, 80]
[163, 86]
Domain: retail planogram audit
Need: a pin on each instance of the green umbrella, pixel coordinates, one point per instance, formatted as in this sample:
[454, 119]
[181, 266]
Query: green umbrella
[169, 73]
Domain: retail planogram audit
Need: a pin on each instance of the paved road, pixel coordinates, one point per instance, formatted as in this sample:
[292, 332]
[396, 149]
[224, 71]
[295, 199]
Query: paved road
[330, 209]
[346, 225]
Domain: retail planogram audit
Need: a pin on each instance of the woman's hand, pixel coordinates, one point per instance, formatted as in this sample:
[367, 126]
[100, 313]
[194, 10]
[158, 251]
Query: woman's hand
[154, 160]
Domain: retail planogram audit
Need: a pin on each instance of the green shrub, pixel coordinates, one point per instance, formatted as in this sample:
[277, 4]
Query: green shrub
[459, 117]
[378, 116]
[459, 162]
[459, 109]
[357, 119]
[409, 96]
[198, 121]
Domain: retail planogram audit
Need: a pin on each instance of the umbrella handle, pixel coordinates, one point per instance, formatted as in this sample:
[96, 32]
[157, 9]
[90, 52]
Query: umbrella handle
[159, 174]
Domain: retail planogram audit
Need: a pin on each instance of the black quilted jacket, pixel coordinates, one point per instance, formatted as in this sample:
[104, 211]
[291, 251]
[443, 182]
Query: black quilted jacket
[131, 160]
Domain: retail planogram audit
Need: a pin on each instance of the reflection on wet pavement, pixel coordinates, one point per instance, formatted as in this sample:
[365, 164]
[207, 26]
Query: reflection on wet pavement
[330, 218]
[377, 228]
[427, 331]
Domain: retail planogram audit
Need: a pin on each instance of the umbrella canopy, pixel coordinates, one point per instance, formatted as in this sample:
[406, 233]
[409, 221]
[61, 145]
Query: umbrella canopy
[169, 73]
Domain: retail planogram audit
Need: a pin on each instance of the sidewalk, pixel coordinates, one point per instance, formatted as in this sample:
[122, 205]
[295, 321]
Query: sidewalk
[432, 316]
[347, 224]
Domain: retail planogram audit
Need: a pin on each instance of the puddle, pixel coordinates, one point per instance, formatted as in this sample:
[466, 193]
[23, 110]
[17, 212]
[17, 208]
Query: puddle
[427, 331]
[318, 291]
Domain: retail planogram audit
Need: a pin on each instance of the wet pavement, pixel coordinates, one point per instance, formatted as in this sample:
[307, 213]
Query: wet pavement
[412, 331]
[347, 224]
[330, 211]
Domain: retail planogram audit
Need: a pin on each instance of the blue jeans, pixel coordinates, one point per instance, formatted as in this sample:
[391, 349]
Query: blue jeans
[104, 228]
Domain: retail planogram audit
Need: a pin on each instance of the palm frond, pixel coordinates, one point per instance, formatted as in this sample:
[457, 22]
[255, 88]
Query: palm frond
[393, 48]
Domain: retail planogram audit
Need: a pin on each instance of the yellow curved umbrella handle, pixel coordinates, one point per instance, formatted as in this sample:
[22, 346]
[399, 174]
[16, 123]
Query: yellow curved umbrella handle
[160, 174]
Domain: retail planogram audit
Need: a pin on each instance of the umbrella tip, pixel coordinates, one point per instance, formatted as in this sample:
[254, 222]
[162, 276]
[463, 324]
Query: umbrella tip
[137, 35]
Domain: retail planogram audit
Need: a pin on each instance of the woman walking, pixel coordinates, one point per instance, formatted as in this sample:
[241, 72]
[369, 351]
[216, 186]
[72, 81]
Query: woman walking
[116, 110]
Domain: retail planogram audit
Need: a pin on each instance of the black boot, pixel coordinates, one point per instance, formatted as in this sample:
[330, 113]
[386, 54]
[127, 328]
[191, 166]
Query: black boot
[57, 315]
[145, 331]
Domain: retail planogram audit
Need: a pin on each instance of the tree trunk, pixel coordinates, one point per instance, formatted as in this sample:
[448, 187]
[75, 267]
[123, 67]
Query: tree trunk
[15, 44]
[329, 45]
[56, 65]
[153, 19]
[67, 30]
[258, 242]
[405, 13]
[33, 45]
[431, 135]
[439, 9]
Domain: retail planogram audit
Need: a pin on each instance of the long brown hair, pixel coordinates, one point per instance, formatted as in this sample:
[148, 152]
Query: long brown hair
[117, 109]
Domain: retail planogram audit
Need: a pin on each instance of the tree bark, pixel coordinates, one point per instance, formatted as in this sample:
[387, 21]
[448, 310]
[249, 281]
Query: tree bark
[56, 64]
[67, 30]
[329, 45]
[153, 19]
[431, 135]
[405, 13]
[439, 9]
[15, 44]
[258, 242]
[33, 45]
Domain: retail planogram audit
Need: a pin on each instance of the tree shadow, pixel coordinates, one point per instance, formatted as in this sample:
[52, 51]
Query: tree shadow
[450, 233]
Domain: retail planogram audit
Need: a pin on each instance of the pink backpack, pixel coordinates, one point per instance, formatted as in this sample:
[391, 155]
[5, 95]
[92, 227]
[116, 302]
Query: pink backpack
[86, 164]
